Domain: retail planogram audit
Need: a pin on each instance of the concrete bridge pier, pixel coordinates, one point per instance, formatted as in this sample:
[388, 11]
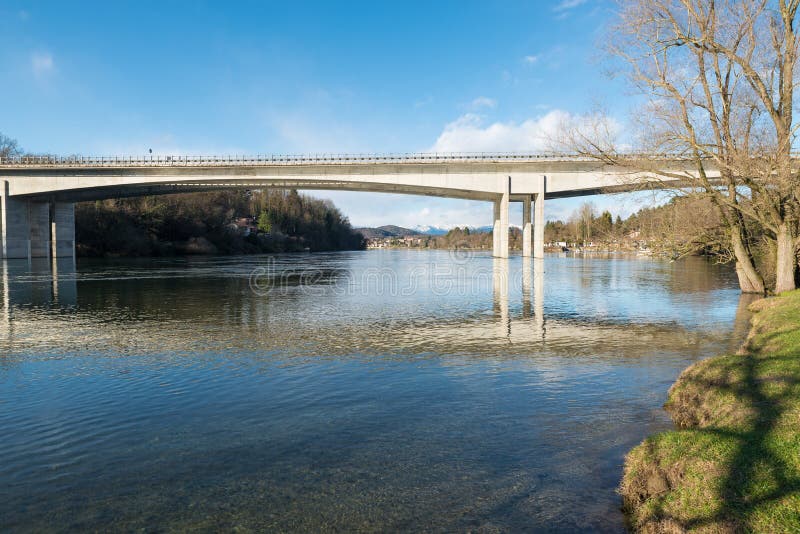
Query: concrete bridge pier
[527, 228]
[39, 229]
[538, 226]
[35, 229]
[62, 230]
[532, 222]
[500, 228]
[16, 241]
[533, 230]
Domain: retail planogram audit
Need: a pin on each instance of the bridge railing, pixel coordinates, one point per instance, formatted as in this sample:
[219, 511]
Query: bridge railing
[287, 159]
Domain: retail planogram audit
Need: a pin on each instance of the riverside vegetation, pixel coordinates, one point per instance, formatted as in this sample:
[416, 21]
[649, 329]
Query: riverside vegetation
[716, 81]
[683, 226]
[206, 223]
[733, 464]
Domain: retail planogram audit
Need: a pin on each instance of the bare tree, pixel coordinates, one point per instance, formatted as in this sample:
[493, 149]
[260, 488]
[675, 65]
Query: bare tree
[586, 216]
[8, 147]
[718, 79]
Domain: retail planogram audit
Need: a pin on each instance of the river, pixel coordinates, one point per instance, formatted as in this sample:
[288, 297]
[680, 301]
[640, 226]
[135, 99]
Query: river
[371, 391]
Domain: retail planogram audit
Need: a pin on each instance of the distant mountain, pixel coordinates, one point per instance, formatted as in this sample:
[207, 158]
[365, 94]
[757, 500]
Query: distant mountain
[391, 230]
[431, 230]
[434, 230]
[388, 230]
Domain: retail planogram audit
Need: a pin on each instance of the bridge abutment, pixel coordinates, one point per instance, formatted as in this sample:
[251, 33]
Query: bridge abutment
[16, 242]
[35, 229]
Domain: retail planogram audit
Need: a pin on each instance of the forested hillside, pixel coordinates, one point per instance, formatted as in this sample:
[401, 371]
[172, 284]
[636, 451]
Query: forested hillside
[219, 222]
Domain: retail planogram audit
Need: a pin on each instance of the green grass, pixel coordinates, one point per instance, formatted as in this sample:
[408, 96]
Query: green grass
[734, 463]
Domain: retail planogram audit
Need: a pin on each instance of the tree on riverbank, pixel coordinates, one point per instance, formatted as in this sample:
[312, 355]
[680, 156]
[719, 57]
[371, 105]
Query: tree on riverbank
[683, 226]
[718, 82]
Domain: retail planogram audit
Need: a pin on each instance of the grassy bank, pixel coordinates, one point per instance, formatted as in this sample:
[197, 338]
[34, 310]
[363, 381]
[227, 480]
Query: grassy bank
[734, 463]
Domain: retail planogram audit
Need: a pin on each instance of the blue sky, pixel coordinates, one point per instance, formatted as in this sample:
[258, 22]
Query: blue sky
[307, 77]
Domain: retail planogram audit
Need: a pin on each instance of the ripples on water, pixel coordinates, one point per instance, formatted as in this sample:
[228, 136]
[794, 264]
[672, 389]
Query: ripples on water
[379, 390]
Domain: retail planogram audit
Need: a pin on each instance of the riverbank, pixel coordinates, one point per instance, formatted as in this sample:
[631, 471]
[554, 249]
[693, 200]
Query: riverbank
[734, 463]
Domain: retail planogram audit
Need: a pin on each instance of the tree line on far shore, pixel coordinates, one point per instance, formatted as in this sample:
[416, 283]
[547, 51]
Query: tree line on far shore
[219, 222]
[684, 225]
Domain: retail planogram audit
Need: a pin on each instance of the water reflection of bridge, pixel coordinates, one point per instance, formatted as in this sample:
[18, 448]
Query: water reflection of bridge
[42, 283]
[532, 296]
[43, 305]
[39, 282]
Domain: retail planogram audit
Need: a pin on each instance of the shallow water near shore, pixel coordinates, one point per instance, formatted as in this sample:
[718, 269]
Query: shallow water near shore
[377, 390]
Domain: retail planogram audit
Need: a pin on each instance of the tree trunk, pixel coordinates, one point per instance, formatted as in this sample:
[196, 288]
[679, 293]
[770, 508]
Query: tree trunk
[785, 265]
[750, 281]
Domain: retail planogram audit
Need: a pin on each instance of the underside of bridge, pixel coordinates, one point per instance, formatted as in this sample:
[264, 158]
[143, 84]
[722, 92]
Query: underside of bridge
[41, 227]
[37, 215]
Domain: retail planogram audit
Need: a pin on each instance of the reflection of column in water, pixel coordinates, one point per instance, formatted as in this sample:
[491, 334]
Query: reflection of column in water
[527, 283]
[5, 313]
[40, 282]
[538, 294]
[500, 278]
[17, 289]
[65, 290]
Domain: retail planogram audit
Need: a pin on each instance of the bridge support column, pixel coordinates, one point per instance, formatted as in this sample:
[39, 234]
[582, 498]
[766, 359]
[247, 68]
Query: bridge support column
[527, 228]
[496, 229]
[25, 229]
[39, 229]
[500, 228]
[16, 241]
[538, 223]
[62, 217]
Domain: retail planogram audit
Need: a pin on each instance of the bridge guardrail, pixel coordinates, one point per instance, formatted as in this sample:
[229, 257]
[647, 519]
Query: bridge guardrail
[271, 160]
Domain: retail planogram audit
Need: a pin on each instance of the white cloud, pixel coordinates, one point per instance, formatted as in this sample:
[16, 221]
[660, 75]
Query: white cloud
[543, 133]
[42, 63]
[532, 59]
[566, 5]
[468, 134]
[483, 102]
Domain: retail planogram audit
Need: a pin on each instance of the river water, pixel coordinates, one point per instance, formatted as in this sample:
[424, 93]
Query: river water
[377, 390]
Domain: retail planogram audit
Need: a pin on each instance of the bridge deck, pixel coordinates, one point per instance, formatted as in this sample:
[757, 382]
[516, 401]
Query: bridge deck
[313, 159]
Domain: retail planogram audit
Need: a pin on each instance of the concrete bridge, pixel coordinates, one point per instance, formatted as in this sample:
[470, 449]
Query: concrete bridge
[37, 214]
